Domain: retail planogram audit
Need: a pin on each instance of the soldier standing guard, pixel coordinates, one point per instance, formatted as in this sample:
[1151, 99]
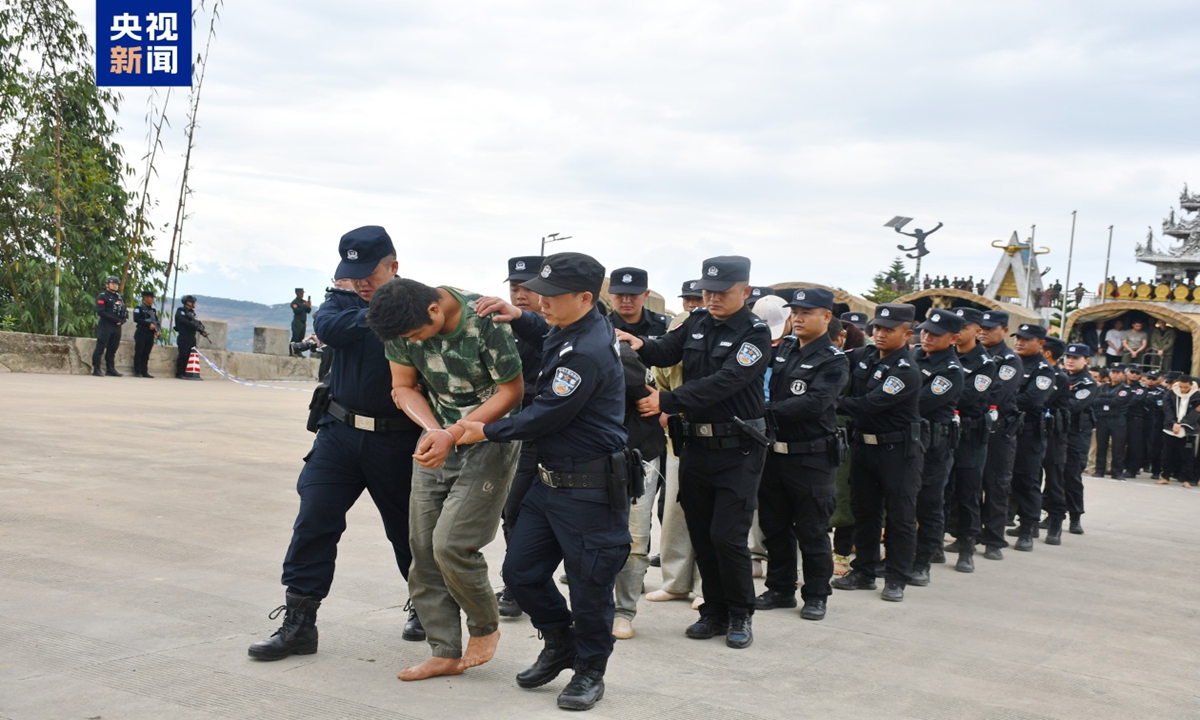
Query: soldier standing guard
[145, 317]
[885, 467]
[300, 310]
[1033, 395]
[111, 315]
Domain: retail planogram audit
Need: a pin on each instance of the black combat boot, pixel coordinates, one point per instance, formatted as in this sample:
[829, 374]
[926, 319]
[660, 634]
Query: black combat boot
[1024, 542]
[413, 630]
[919, 575]
[297, 635]
[557, 655]
[1076, 527]
[112, 372]
[938, 556]
[955, 547]
[585, 689]
[507, 604]
[1054, 531]
[96, 371]
[966, 557]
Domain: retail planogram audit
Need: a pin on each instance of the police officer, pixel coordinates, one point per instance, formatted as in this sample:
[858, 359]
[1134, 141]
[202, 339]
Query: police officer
[941, 387]
[187, 325]
[578, 514]
[964, 491]
[1135, 422]
[855, 318]
[691, 296]
[364, 442]
[629, 288]
[1083, 393]
[1002, 445]
[797, 495]
[1058, 423]
[1035, 388]
[1155, 399]
[885, 467]
[300, 310]
[111, 314]
[720, 435]
[145, 318]
[1111, 423]
[521, 270]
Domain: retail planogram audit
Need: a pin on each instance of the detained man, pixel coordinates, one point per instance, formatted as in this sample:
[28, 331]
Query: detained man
[471, 371]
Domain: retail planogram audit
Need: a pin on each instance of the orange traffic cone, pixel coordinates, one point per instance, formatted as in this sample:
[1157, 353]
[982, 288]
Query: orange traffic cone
[193, 367]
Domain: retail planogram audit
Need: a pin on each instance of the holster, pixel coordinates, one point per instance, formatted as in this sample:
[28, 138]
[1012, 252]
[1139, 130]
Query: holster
[918, 438]
[752, 432]
[637, 472]
[675, 432]
[317, 406]
[840, 448]
[1014, 426]
[955, 435]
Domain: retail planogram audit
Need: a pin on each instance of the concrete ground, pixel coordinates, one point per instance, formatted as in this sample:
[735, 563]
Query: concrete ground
[142, 524]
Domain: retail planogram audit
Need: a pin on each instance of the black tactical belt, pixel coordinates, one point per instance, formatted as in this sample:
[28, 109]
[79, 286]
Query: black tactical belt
[710, 430]
[880, 439]
[574, 480]
[971, 423]
[804, 448]
[370, 424]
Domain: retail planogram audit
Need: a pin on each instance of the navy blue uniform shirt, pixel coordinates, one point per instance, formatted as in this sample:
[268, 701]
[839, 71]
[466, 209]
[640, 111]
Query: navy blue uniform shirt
[884, 392]
[977, 383]
[361, 377]
[941, 384]
[578, 409]
[1007, 383]
[805, 383]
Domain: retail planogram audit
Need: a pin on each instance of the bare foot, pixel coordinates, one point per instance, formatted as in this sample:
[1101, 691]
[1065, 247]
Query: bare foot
[433, 667]
[479, 650]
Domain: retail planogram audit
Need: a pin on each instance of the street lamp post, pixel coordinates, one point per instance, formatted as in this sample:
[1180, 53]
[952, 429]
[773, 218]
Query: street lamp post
[551, 238]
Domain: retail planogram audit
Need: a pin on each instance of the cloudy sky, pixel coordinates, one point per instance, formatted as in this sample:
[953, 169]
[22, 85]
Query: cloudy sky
[658, 134]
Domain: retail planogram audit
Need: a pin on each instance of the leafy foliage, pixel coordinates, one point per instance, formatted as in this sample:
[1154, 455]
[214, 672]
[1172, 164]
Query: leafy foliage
[891, 283]
[59, 156]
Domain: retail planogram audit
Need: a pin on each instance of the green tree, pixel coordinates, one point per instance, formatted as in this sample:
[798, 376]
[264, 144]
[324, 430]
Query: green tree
[62, 193]
[890, 284]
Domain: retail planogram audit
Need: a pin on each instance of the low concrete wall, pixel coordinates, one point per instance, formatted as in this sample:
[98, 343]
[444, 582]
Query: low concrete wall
[272, 340]
[22, 352]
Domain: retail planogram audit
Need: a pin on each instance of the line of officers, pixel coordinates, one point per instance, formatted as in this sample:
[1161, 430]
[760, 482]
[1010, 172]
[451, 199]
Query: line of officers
[939, 438]
[112, 313]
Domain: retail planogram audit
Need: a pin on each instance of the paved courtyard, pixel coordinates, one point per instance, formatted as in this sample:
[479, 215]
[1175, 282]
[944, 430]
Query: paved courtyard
[142, 525]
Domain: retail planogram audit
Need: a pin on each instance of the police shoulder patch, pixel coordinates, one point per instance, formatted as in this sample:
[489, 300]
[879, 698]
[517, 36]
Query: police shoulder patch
[799, 387]
[1082, 394]
[940, 385]
[1044, 383]
[982, 383]
[748, 354]
[1007, 372]
[565, 381]
[893, 385]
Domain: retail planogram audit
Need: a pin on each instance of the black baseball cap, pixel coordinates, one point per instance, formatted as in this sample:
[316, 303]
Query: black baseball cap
[855, 318]
[994, 318]
[148, 293]
[718, 274]
[1078, 350]
[523, 268]
[892, 315]
[969, 315]
[691, 289]
[941, 322]
[1055, 346]
[1029, 331]
[361, 250]
[812, 298]
[567, 272]
[628, 281]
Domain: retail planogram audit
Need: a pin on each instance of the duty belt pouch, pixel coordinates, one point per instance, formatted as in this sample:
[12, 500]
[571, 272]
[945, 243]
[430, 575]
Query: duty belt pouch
[1015, 426]
[321, 398]
[675, 432]
[917, 432]
[618, 480]
[637, 472]
[955, 435]
[839, 447]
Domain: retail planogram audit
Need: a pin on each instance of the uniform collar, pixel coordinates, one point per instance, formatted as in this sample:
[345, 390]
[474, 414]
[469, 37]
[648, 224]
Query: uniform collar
[736, 321]
[619, 322]
[815, 346]
[942, 355]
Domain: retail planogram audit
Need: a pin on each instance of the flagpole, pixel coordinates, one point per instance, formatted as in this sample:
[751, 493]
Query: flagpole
[1107, 257]
[1062, 320]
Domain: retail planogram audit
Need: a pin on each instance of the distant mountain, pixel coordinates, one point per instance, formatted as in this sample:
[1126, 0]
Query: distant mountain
[244, 316]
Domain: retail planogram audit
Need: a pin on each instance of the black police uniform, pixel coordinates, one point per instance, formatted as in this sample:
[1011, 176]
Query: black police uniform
[964, 491]
[300, 311]
[1155, 400]
[577, 419]
[720, 463]
[797, 495]
[145, 318]
[1054, 462]
[186, 327]
[363, 442]
[941, 387]
[1135, 430]
[111, 314]
[1036, 386]
[1083, 395]
[1002, 445]
[1111, 427]
[885, 466]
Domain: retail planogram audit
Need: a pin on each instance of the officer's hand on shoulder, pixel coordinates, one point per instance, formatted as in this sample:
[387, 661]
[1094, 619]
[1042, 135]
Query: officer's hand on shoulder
[499, 310]
[635, 342]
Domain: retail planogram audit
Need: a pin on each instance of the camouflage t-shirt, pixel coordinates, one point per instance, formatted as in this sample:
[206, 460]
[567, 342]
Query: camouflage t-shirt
[461, 370]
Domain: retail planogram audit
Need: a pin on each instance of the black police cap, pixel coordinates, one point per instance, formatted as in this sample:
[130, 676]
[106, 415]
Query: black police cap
[969, 315]
[1055, 346]
[855, 318]
[718, 274]
[812, 298]
[892, 315]
[299, 290]
[941, 322]
[1031, 331]
[1079, 350]
[691, 289]
[112, 279]
[149, 293]
[758, 292]
[628, 281]
[523, 268]
[1153, 375]
[994, 318]
[361, 250]
[567, 272]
